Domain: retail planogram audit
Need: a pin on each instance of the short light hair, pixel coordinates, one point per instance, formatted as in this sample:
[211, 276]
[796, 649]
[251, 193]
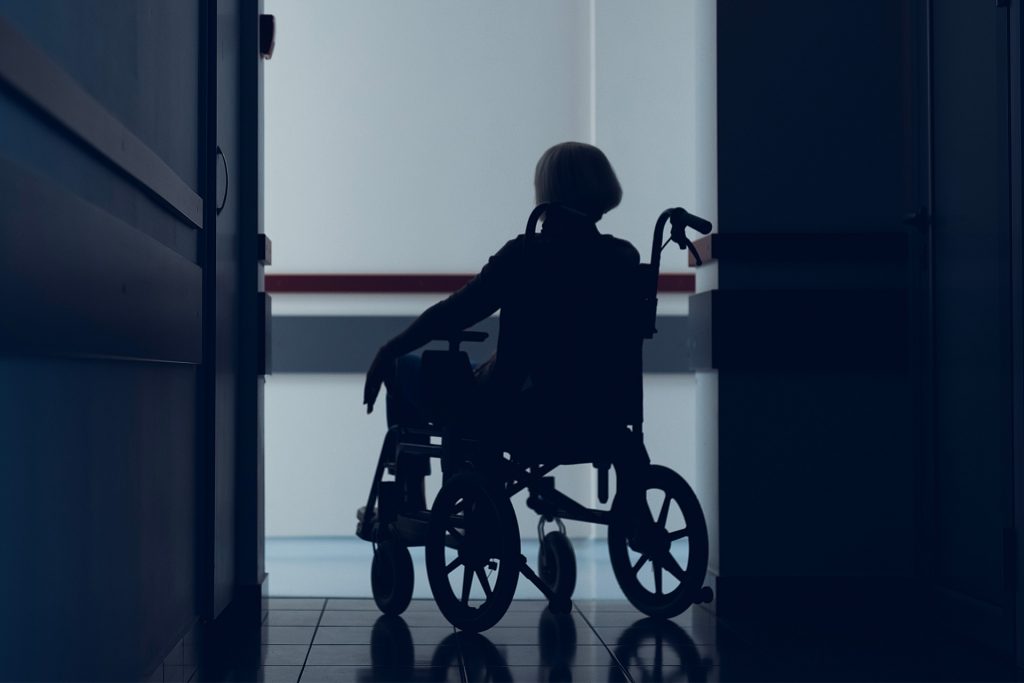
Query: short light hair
[579, 176]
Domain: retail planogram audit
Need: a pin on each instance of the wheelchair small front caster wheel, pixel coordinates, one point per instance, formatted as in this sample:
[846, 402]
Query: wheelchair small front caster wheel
[391, 577]
[556, 566]
[659, 552]
[472, 538]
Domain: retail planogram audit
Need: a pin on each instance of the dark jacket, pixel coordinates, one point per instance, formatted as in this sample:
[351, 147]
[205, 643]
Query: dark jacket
[568, 343]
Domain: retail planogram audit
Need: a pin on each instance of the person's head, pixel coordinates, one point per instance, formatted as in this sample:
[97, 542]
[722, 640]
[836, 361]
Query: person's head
[579, 176]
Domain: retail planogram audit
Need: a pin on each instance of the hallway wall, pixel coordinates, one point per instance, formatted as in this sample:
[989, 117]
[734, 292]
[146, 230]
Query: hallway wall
[865, 158]
[129, 406]
[100, 215]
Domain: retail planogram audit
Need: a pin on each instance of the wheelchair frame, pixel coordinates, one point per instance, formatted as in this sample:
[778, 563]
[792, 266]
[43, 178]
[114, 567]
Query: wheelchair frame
[396, 511]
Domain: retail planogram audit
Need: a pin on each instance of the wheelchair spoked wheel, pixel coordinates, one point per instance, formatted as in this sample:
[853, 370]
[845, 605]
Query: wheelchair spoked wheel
[472, 552]
[556, 566]
[659, 554]
[391, 577]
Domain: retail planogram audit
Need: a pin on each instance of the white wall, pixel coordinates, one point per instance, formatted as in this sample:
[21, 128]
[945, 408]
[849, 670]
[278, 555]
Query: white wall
[402, 137]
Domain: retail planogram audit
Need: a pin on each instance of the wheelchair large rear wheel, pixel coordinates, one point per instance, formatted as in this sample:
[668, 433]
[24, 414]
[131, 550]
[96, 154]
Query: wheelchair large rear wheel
[659, 553]
[472, 552]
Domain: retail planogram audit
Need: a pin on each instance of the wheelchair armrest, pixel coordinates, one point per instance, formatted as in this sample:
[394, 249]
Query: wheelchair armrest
[464, 336]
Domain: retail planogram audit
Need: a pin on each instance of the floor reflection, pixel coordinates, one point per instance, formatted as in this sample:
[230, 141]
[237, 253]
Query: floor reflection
[659, 650]
[336, 640]
[648, 650]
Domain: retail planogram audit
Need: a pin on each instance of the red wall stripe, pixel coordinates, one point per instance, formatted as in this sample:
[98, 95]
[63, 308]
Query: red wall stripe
[346, 283]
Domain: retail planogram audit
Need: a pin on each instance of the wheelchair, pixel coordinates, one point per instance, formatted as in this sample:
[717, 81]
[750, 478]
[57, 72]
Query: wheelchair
[470, 534]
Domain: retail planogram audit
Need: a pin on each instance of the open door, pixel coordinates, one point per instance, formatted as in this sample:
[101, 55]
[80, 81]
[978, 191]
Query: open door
[235, 311]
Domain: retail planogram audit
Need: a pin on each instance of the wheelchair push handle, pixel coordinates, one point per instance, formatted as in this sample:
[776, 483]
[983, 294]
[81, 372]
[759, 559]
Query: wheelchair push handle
[681, 219]
[541, 209]
[538, 211]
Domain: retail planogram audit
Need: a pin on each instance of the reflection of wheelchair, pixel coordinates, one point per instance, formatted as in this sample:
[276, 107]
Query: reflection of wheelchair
[470, 533]
[656, 650]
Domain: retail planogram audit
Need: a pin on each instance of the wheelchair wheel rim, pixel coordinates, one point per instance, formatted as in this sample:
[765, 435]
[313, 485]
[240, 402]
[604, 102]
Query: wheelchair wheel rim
[472, 552]
[662, 576]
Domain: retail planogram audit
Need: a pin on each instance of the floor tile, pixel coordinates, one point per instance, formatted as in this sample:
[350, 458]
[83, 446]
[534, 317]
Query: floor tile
[287, 617]
[532, 674]
[287, 635]
[536, 606]
[353, 604]
[354, 674]
[417, 619]
[601, 618]
[422, 605]
[476, 655]
[389, 657]
[524, 619]
[360, 618]
[667, 662]
[279, 674]
[295, 603]
[588, 606]
[505, 635]
[283, 654]
[615, 635]
[363, 635]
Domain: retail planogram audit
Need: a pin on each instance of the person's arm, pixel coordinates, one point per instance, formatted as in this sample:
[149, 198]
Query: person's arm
[479, 298]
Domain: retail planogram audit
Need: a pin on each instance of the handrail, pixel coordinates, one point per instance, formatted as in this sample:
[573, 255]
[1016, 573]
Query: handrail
[413, 283]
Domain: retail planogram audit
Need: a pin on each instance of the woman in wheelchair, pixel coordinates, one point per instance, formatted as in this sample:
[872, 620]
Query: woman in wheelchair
[564, 387]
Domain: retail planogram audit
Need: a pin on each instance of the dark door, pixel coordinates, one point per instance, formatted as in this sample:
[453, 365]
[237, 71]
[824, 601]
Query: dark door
[973, 368]
[233, 457]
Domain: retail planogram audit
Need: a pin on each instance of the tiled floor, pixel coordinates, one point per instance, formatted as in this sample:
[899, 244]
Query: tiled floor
[604, 639]
[349, 640]
[332, 639]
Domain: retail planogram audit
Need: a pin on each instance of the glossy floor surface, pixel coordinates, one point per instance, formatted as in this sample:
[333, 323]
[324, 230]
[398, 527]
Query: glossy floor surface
[349, 640]
[330, 639]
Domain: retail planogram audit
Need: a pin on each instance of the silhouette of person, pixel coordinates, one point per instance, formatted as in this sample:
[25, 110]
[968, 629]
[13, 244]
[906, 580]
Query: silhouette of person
[568, 350]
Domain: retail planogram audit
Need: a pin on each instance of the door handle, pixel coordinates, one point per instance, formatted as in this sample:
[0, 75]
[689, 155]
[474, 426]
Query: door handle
[224, 162]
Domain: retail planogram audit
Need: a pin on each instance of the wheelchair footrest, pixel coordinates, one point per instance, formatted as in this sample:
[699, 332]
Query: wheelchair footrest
[366, 526]
[411, 527]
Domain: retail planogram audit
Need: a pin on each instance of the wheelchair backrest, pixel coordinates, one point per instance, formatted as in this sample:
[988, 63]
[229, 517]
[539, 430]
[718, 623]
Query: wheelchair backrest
[586, 307]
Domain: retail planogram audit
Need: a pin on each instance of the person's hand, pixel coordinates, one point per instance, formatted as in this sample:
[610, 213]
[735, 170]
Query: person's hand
[381, 368]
